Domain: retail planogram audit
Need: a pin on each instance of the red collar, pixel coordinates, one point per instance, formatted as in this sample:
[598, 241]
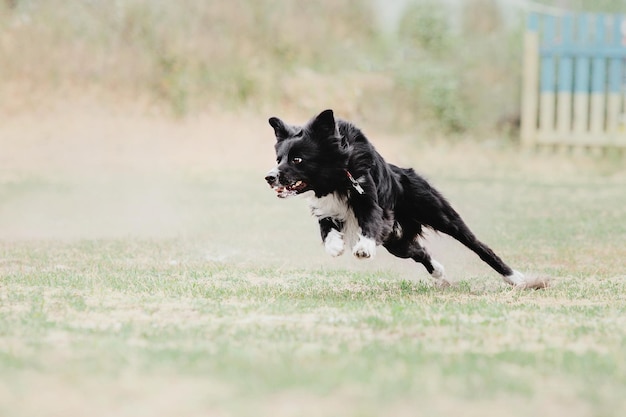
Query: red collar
[355, 183]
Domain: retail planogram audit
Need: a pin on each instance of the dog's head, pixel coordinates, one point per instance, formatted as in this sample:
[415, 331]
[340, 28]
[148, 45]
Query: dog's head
[312, 157]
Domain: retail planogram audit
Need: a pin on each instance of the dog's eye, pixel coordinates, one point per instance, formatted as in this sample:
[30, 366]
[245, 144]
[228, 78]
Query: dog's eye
[297, 160]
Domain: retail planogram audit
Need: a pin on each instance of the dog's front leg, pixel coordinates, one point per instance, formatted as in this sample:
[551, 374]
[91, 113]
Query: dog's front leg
[369, 216]
[332, 236]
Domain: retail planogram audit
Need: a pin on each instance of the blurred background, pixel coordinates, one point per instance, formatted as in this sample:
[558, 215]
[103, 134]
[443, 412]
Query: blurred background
[109, 109]
[450, 66]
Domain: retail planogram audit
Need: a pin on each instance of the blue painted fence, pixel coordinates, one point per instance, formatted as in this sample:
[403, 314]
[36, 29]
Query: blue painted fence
[575, 79]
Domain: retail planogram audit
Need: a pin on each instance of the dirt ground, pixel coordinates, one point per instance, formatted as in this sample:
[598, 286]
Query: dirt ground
[91, 169]
[88, 168]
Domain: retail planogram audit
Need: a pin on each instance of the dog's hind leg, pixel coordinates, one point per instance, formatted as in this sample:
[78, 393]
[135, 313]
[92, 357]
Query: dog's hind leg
[412, 249]
[455, 227]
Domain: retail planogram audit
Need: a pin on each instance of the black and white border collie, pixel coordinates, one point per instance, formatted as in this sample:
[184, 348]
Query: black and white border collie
[361, 201]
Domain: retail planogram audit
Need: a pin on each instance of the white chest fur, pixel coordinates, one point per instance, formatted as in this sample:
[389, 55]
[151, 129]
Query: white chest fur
[337, 207]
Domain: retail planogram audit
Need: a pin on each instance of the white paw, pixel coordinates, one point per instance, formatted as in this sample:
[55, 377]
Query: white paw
[364, 248]
[334, 243]
[516, 279]
[439, 271]
[529, 282]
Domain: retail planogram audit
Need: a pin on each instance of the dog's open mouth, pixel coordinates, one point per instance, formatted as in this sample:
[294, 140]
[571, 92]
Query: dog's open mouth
[294, 188]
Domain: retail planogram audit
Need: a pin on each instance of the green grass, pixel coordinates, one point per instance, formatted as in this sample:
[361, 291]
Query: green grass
[253, 319]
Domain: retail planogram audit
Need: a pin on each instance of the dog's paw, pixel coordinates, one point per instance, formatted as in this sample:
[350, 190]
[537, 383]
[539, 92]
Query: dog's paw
[438, 271]
[364, 248]
[439, 274]
[334, 243]
[516, 279]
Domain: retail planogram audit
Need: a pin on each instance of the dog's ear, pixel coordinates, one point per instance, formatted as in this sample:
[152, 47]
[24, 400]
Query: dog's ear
[324, 123]
[280, 128]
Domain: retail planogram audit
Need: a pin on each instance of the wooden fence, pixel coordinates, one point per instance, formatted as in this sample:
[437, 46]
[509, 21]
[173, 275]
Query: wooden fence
[574, 80]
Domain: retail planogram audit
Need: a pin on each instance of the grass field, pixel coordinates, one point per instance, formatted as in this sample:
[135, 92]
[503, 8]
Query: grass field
[154, 274]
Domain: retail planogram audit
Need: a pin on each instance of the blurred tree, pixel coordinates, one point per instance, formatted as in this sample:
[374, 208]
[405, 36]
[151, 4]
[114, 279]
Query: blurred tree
[481, 16]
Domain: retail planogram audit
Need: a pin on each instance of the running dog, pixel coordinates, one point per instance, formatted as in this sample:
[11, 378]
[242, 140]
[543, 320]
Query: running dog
[361, 201]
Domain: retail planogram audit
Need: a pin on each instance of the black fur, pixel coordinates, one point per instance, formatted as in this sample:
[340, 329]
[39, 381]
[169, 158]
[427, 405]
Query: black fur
[395, 203]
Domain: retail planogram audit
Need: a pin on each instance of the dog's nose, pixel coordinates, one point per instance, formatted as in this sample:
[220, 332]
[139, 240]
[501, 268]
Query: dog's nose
[270, 178]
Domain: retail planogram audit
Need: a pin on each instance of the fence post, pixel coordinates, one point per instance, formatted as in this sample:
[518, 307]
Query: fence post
[547, 97]
[598, 79]
[565, 78]
[530, 82]
[614, 97]
[581, 86]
